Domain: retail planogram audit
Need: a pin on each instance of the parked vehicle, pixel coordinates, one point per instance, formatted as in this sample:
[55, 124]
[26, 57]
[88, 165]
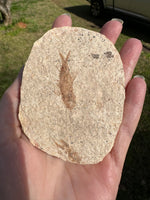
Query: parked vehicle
[138, 8]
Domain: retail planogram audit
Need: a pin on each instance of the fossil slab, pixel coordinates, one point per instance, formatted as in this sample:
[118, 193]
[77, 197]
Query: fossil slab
[72, 95]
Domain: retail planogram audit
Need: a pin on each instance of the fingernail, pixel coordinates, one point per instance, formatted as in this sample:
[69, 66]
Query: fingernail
[117, 19]
[68, 14]
[139, 76]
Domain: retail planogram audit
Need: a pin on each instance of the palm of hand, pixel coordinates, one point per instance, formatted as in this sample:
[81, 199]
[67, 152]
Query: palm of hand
[28, 173]
[35, 175]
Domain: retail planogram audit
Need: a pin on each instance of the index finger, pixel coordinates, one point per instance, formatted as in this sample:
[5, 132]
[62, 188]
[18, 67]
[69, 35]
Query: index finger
[62, 20]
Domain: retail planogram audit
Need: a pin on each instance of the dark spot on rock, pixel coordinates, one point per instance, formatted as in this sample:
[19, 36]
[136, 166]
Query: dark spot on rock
[95, 56]
[109, 54]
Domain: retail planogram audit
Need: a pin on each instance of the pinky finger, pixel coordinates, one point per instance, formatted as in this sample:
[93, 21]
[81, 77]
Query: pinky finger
[135, 94]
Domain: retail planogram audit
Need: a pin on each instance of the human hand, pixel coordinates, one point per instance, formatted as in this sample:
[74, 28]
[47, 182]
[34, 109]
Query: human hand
[26, 173]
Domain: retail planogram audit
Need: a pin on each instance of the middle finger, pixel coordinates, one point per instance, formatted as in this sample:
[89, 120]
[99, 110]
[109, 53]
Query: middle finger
[130, 54]
[112, 29]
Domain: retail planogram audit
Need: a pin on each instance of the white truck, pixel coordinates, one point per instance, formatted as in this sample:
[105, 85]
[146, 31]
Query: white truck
[138, 8]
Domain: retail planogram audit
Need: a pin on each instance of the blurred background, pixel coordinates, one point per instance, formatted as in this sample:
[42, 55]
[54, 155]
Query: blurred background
[32, 18]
